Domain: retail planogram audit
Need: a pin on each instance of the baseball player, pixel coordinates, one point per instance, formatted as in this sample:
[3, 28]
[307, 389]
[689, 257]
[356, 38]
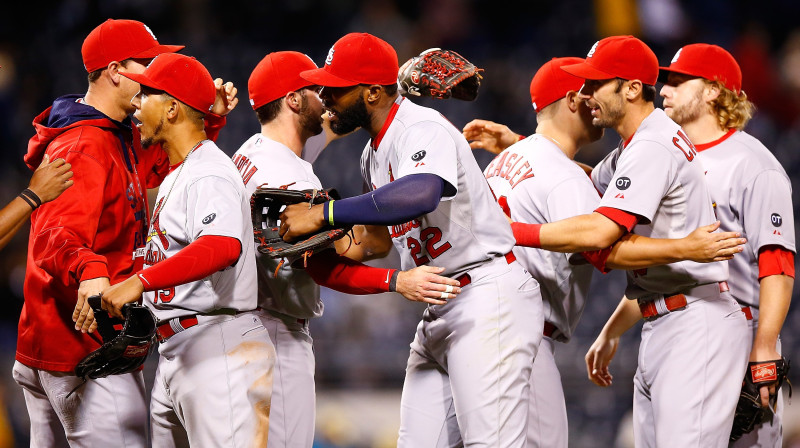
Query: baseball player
[85, 239]
[553, 188]
[290, 113]
[752, 195]
[214, 377]
[470, 362]
[48, 182]
[695, 333]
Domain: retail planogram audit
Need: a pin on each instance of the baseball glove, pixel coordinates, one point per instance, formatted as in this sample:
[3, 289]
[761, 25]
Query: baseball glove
[749, 412]
[126, 343]
[440, 74]
[266, 205]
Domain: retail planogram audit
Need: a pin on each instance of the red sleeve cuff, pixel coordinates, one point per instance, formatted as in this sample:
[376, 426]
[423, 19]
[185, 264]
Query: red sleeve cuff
[623, 218]
[775, 260]
[521, 138]
[598, 258]
[214, 124]
[527, 235]
[93, 269]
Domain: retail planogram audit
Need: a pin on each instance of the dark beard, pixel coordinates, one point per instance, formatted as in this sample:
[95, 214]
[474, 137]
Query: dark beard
[350, 119]
[310, 123]
[150, 141]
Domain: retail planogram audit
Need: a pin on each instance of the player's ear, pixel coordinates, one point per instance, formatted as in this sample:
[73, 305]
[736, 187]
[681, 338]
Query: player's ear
[113, 72]
[373, 93]
[633, 89]
[711, 91]
[293, 101]
[171, 107]
[573, 101]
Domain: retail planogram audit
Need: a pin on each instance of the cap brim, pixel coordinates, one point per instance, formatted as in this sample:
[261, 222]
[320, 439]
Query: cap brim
[586, 71]
[663, 74]
[322, 77]
[157, 50]
[142, 79]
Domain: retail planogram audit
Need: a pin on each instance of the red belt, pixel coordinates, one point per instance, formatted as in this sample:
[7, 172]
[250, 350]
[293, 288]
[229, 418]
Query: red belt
[465, 279]
[748, 313]
[548, 329]
[165, 330]
[672, 303]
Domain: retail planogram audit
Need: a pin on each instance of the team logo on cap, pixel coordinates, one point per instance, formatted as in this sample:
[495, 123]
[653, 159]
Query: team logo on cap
[150, 31]
[534, 106]
[776, 219]
[593, 49]
[329, 59]
[677, 55]
[623, 183]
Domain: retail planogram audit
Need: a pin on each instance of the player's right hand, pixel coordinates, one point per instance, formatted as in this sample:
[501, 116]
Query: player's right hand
[704, 245]
[488, 135]
[599, 357]
[423, 284]
[51, 179]
[83, 316]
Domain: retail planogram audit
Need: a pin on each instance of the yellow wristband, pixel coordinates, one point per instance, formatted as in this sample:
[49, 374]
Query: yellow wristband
[330, 212]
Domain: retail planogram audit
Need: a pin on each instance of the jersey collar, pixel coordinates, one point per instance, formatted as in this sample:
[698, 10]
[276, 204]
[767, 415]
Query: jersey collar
[377, 140]
[704, 146]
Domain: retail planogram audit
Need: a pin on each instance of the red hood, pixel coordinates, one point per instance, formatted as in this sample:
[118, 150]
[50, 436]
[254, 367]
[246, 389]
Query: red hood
[66, 114]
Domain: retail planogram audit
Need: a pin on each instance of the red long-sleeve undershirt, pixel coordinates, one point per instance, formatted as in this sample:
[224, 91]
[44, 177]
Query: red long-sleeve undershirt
[201, 258]
[342, 274]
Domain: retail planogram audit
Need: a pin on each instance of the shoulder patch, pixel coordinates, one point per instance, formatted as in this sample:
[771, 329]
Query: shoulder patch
[418, 156]
[209, 218]
[623, 183]
[776, 219]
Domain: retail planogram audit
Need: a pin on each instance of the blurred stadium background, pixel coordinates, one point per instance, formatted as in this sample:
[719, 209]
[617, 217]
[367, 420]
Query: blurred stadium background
[362, 342]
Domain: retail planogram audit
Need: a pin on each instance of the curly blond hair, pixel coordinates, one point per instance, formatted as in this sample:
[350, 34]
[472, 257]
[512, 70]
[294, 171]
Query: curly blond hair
[732, 110]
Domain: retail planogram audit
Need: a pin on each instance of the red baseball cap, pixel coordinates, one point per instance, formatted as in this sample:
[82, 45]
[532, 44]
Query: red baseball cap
[706, 61]
[183, 77]
[623, 57]
[276, 75]
[117, 40]
[356, 58]
[550, 83]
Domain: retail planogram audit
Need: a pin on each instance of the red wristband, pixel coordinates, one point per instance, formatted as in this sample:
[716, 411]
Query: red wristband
[527, 235]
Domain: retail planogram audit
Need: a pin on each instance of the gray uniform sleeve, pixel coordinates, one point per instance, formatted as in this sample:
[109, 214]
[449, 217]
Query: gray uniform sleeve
[767, 213]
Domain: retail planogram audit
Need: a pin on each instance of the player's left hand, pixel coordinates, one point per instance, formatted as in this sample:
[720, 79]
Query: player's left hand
[759, 354]
[226, 99]
[599, 357]
[704, 245]
[298, 220]
[127, 291]
[423, 284]
[488, 135]
[82, 315]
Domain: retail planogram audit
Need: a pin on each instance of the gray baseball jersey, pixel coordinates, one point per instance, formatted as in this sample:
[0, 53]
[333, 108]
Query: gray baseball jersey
[468, 373]
[657, 177]
[467, 229]
[227, 355]
[552, 188]
[203, 196]
[265, 162]
[753, 195]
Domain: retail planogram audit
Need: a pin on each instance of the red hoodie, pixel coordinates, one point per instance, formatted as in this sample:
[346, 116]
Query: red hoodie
[90, 231]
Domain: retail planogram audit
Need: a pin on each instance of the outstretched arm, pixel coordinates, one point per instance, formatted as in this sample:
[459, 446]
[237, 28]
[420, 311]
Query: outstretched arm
[605, 346]
[365, 243]
[47, 183]
[491, 136]
[703, 245]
